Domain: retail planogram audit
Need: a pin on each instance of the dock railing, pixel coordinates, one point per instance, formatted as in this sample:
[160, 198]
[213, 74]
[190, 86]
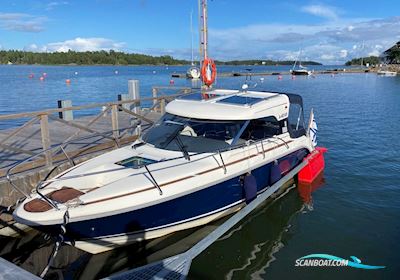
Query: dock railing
[56, 139]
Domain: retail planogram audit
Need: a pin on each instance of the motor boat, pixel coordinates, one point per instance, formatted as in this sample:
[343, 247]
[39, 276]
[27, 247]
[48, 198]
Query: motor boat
[386, 73]
[211, 153]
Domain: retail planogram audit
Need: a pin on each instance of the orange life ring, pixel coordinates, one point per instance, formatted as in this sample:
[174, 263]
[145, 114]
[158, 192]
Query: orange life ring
[207, 76]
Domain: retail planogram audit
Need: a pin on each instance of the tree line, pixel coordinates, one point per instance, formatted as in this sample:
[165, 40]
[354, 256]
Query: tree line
[370, 60]
[114, 58]
[85, 58]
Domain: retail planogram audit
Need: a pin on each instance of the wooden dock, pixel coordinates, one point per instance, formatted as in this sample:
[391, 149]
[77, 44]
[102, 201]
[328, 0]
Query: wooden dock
[46, 143]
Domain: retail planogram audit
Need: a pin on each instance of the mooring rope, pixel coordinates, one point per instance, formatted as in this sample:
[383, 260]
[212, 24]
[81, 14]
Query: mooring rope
[9, 209]
[57, 245]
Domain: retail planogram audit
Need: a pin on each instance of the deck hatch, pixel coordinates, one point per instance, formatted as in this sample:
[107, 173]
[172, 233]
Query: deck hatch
[241, 100]
[135, 162]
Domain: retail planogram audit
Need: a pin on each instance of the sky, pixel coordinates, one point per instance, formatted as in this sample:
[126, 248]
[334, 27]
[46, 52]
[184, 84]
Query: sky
[327, 31]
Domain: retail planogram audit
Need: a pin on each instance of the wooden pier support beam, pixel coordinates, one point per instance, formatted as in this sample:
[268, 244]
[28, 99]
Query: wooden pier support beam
[44, 130]
[162, 106]
[155, 93]
[114, 121]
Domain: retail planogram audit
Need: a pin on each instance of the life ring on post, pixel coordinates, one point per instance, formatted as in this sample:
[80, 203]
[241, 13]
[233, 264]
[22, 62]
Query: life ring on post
[208, 71]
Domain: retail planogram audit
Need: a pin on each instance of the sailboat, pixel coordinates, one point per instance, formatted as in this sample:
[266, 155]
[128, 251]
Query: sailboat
[301, 70]
[193, 72]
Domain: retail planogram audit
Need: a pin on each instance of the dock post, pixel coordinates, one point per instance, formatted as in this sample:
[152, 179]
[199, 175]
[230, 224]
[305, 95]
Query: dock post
[124, 97]
[65, 115]
[155, 93]
[162, 106]
[134, 93]
[44, 130]
[114, 121]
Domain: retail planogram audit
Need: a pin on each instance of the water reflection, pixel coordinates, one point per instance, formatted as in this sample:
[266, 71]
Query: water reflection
[249, 249]
[32, 251]
[246, 251]
[305, 190]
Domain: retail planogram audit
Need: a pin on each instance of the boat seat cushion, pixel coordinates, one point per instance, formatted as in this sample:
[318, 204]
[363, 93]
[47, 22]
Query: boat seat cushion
[37, 205]
[65, 194]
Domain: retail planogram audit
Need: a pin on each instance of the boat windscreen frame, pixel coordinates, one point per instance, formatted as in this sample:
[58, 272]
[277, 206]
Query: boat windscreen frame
[298, 100]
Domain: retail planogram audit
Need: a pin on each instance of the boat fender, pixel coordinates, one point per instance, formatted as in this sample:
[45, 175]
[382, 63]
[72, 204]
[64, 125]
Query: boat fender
[275, 173]
[208, 71]
[250, 188]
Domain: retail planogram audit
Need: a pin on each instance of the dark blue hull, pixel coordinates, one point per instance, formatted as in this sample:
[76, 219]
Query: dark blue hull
[179, 210]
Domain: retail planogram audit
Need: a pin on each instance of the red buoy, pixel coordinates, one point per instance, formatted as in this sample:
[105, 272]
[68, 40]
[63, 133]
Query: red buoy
[31, 76]
[41, 78]
[171, 82]
[314, 167]
[280, 77]
[68, 81]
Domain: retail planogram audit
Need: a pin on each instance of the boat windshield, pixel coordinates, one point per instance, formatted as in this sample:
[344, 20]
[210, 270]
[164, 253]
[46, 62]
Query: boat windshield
[178, 133]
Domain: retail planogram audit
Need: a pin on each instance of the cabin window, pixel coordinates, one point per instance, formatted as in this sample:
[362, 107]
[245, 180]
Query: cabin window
[261, 129]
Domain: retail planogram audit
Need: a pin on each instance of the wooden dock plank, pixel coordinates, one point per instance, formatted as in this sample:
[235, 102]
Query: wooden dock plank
[9, 271]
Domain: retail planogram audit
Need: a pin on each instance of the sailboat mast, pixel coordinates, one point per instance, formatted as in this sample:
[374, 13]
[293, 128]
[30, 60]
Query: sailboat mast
[203, 29]
[362, 56]
[191, 33]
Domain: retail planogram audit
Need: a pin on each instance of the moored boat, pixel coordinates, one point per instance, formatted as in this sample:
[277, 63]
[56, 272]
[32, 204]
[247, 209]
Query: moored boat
[192, 167]
[386, 73]
[300, 72]
[193, 73]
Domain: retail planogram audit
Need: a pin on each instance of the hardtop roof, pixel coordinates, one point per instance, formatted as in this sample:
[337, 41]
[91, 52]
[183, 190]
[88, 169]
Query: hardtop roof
[230, 105]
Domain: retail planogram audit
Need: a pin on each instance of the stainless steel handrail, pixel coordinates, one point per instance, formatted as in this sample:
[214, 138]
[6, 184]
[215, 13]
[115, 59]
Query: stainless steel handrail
[9, 171]
[54, 205]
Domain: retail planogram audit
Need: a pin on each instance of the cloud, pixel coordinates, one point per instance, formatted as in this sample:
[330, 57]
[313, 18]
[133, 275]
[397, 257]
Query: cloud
[374, 53]
[343, 53]
[22, 22]
[78, 44]
[54, 4]
[321, 11]
[327, 42]
[370, 30]
[32, 48]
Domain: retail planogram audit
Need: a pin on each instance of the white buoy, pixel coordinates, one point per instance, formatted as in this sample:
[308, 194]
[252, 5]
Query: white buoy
[76, 73]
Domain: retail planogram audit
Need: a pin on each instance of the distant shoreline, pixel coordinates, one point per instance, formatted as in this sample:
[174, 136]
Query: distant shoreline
[102, 58]
[158, 65]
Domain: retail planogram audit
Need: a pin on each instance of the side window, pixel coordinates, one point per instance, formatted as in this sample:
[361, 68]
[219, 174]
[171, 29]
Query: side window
[296, 120]
[261, 129]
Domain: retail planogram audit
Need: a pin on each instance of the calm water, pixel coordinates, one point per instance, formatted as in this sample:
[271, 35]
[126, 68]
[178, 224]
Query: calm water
[355, 213]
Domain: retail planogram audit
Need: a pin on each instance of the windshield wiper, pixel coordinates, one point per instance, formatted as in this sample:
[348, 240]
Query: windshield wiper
[182, 147]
